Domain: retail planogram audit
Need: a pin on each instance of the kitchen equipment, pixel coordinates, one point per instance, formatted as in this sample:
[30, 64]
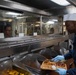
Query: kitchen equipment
[31, 61]
[49, 53]
[7, 68]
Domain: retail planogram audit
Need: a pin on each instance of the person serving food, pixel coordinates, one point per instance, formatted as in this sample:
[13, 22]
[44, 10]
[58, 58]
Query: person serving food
[71, 28]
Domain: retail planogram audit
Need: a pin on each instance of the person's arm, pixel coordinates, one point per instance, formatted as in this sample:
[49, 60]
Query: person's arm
[68, 55]
[63, 57]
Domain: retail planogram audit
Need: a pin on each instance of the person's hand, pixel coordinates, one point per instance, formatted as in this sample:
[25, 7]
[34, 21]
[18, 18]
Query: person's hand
[58, 58]
[61, 71]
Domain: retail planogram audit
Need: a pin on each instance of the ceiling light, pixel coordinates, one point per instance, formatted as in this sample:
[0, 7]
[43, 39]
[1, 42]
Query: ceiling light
[10, 20]
[50, 22]
[6, 0]
[55, 20]
[20, 17]
[37, 25]
[61, 2]
[13, 13]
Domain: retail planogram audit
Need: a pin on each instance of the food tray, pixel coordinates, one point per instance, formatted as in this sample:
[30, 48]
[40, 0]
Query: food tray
[48, 65]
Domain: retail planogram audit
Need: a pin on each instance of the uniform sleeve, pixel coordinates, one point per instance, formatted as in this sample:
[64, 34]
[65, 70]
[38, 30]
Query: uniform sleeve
[68, 55]
[71, 71]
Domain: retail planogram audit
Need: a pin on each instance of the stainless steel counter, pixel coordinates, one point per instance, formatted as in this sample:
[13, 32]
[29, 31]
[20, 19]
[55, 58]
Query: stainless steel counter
[20, 50]
[13, 46]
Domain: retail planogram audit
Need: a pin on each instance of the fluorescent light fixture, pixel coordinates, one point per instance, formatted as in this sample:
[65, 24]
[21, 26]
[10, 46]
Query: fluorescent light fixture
[50, 22]
[63, 23]
[37, 25]
[10, 20]
[6, 0]
[61, 2]
[55, 20]
[20, 17]
[13, 13]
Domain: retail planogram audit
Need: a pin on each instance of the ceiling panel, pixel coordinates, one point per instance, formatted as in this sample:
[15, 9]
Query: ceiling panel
[40, 4]
[46, 5]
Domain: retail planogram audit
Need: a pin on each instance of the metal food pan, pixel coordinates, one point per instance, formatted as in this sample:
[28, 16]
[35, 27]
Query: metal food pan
[31, 61]
[7, 67]
[49, 53]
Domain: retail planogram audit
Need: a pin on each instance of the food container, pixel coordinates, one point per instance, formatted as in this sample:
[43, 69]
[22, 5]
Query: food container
[49, 53]
[7, 68]
[31, 61]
